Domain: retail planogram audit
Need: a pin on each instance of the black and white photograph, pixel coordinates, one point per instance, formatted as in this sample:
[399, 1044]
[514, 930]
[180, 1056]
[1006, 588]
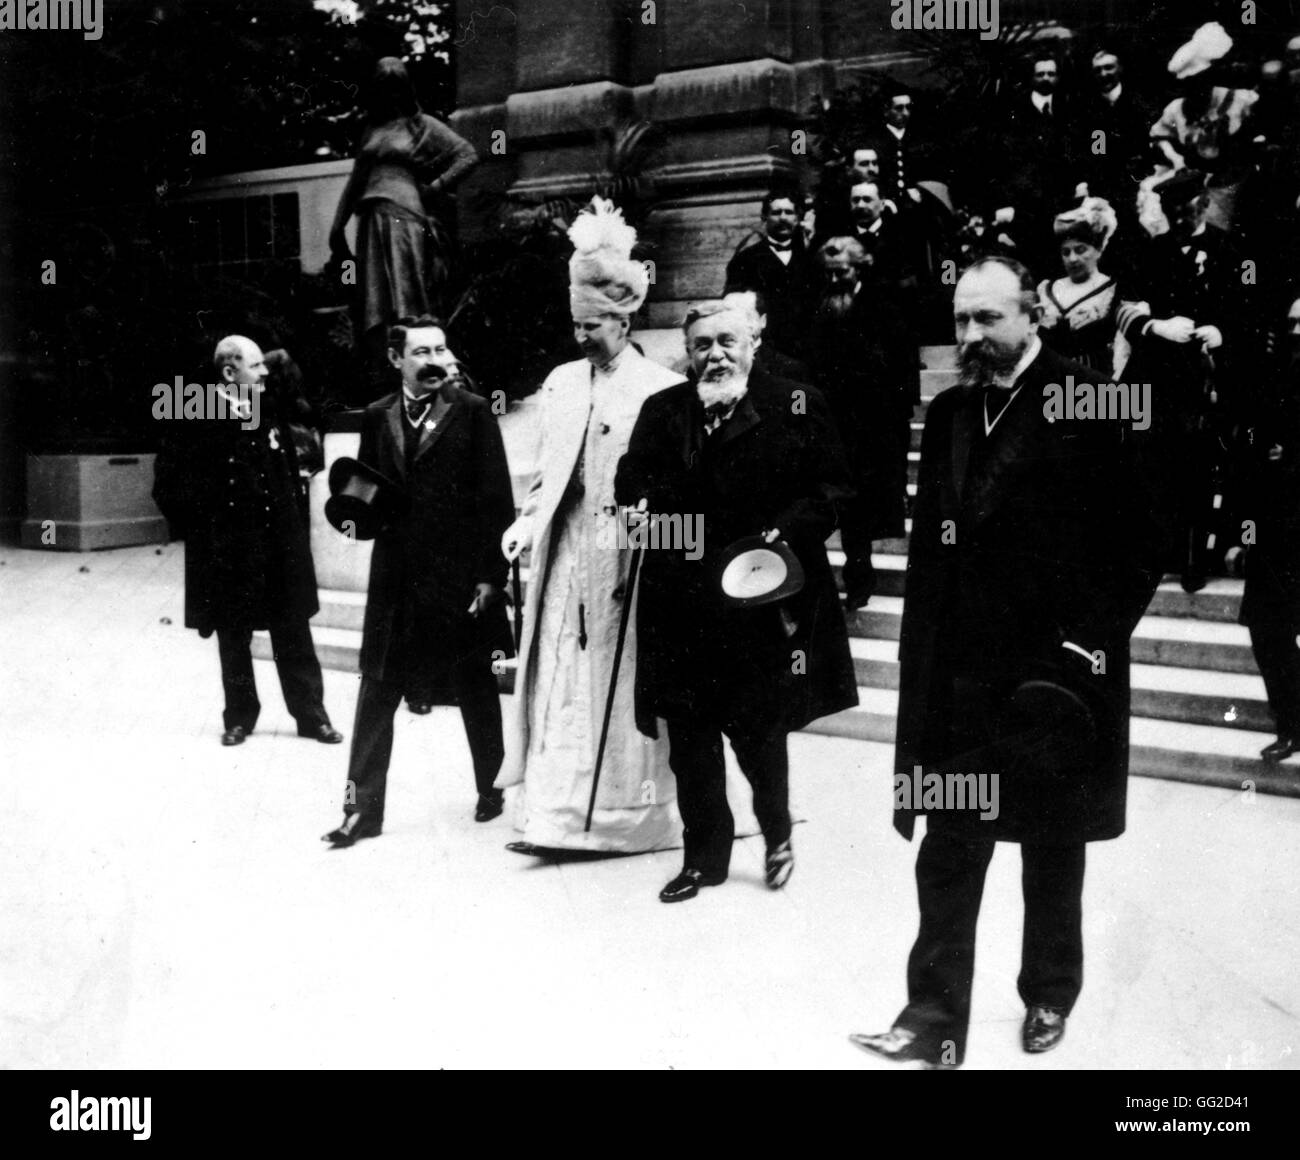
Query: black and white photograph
[644, 535]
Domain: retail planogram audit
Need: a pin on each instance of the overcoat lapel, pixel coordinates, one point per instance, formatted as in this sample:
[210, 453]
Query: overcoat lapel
[396, 465]
[743, 418]
[965, 430]
[430, 433]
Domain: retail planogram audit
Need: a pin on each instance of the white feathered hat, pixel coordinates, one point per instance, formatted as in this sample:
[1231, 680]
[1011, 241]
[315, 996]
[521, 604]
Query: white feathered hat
[1210, 43]
[603, 278]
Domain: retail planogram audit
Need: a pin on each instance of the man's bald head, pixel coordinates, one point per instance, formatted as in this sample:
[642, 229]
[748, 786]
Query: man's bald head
[239, 360]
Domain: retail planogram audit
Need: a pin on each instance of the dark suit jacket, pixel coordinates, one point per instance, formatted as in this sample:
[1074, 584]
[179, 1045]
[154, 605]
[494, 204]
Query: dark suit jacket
[776, 463]
[235, 500]
[787, 288]
[427, 561]
[1048, 540]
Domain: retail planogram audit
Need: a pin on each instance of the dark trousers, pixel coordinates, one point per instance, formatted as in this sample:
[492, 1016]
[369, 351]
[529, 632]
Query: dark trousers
[950, 870]
[475, 686]
[696, 759]
[1279, 664]
[295, 662]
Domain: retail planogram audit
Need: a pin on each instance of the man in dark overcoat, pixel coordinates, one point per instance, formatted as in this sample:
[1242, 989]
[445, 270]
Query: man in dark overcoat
[1030, 565]
[747, 453]
[228, 484]
[1270, 606]
[865, 362]
[778, 266]
[435, 613]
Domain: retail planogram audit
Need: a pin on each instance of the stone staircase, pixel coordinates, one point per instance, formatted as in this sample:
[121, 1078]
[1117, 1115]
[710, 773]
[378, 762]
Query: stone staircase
[1199, 709]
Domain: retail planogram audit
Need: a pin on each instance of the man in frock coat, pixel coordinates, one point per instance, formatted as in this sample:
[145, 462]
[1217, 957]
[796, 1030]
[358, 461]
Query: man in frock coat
[1034, 553]
[747, 453]
[435, 614]
[228, 484]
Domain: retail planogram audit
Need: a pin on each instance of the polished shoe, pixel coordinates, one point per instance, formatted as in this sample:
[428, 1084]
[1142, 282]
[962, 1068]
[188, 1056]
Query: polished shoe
[779, 866]
[899, 1045]
[354, 828]
[1281, 749]
[857, 598]
[235, 735]
[420, 708]
[490, 805]
[687, 885]
[1043, 1029]
[325, 733]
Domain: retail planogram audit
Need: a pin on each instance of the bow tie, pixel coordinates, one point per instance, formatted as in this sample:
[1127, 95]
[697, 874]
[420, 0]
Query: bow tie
[415, 408]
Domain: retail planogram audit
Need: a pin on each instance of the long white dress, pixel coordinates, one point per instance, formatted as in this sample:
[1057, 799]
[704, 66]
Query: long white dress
[553, 726]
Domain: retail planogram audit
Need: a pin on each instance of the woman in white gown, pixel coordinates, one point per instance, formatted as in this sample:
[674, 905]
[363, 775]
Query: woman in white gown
[578, 575]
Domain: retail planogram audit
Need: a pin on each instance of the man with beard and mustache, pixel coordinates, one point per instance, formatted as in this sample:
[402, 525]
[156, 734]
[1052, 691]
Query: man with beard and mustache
[780, 269]
[1271, 604]
[865, 361]
[435, 616]
[749, 454]
[1030, 564]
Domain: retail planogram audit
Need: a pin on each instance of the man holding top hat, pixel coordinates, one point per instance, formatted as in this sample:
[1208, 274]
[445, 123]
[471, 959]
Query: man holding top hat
[432, 488]
[746, 637]
[1034, 552]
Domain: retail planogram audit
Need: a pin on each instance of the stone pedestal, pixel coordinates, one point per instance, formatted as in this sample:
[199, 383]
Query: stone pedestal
[77, 503]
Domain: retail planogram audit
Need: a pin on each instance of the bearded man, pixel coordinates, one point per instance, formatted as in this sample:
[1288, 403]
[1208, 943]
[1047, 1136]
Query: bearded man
[746, 453]
[1034, 553]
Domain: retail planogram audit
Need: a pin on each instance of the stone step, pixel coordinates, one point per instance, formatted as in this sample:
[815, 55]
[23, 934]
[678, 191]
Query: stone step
[1167, 741]
[939, 358]
[1159, 640]
[1164, 692]
[1174, 751]
[1219, 600]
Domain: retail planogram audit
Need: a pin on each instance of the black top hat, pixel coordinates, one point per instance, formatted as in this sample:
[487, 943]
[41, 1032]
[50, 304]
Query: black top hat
[362, 500]
[751, 572]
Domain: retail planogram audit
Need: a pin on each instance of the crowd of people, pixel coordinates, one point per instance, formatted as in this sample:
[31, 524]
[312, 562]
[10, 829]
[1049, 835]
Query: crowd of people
[1036, 540]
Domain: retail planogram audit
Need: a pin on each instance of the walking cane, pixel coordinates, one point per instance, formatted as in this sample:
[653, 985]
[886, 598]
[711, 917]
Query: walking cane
[519, 603]
[613, 679]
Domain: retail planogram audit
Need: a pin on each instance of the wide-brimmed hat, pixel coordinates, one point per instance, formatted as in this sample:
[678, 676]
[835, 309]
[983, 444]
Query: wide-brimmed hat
[362, 500]
[752, 572]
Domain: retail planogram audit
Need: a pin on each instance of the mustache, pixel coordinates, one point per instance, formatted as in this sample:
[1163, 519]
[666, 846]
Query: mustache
[979, 363]
[434, 371]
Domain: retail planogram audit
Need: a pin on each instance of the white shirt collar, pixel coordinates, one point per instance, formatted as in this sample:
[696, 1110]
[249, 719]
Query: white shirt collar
[1115, 93]
[1031, 353]
[895, 130]
[1040, 99]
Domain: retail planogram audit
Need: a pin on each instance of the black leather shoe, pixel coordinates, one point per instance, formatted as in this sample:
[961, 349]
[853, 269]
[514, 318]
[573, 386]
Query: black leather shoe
[856, 598]
[235, 735]
[354, 828]
[687, 885]
[420, 708]
[325, 733]
[899, 1045]
[490, 805]
[1281, 749]
[779, 866]
[1043, 1029]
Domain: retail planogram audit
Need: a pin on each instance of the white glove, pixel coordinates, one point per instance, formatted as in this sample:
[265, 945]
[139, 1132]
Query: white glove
[517, 539]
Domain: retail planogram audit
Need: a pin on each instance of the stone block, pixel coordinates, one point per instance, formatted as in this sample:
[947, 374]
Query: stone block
[76, 503]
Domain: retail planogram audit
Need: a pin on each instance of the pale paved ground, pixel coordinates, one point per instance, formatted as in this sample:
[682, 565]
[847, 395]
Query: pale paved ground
[167, 903]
